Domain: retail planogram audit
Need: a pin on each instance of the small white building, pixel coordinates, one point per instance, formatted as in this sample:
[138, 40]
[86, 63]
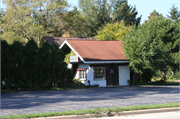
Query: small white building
[98, 62]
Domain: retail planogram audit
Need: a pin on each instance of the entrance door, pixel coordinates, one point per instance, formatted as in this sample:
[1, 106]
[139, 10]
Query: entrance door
[112, 75]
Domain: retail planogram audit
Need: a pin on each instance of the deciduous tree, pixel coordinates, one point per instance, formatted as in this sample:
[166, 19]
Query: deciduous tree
[26, 19]
[153, 45]
[113, 31]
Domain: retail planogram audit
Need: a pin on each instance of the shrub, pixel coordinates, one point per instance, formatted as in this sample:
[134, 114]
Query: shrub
[177, 75]
[77, 82]
[27, 66]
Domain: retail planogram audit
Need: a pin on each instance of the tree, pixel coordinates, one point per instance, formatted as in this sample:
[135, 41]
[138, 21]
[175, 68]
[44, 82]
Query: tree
[2, 13]
[96, 14]
[75, 24]
[113, 31]
[152, 45]
[153, 14]
[123, 11]
[174, 14]
[27, 67]
[26, 19]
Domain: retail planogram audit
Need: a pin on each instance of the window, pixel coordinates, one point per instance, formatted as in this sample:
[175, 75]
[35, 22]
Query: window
[99, 72]
[82, 74]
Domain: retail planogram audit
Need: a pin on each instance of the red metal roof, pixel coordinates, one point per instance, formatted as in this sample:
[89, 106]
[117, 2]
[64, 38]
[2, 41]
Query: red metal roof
[98, 50]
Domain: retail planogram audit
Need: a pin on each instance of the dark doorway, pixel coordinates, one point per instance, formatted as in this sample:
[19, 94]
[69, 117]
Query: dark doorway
[112, 75]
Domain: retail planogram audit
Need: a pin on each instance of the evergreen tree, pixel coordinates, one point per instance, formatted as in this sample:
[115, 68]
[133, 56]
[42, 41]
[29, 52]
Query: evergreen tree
[153, 14]
[123, 11]
[75, 24]
[27, 67]
[96, 14]
[174, 14]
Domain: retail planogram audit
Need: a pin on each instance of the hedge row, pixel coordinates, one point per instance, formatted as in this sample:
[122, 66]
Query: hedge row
[27, 66]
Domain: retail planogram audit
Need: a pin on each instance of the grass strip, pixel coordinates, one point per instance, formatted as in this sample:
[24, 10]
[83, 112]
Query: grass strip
[94, 111]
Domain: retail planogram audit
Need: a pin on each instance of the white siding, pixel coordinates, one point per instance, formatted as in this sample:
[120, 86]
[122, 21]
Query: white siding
[90, 76]
[124, 75]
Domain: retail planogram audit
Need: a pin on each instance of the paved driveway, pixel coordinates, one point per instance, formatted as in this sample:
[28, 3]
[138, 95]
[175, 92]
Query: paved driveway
[52, 101]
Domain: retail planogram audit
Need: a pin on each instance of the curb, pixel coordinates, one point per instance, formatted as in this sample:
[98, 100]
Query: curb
[113, 114]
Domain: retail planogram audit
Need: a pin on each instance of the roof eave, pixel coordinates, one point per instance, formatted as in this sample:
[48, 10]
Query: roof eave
[102, 62]
[65, 42]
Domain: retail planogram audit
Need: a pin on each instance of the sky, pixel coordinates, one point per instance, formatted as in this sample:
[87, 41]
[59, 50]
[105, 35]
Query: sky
[144, 7]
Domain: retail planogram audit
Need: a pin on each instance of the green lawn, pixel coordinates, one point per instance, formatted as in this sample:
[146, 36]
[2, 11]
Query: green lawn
[95, 111]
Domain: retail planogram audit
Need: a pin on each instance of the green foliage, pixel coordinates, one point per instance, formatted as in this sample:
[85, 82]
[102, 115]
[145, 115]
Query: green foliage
[2, 13]
[141, 49]
[26, 67]
[123, 11]
[96, 14]
[26, 19]
[172, 75]
[129, 82]
[66, 60]
[77, 83]
[177, 75]
[174, 14]
[167, 31]
[5, 53]
[153, 14]
[113, 31]
[150, 46]
[75, 24]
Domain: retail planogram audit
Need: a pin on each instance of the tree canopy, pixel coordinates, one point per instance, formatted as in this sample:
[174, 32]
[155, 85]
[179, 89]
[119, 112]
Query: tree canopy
[153, 14]
[153, 45]
[113, 31]
[98, 13]
[125, 12]
[26, 19]
[174, 14]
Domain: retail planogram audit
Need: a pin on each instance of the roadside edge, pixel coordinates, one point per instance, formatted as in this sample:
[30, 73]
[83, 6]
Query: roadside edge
[111, 114]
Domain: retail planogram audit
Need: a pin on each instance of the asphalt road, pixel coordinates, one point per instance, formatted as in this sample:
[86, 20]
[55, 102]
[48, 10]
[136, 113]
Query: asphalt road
[52, 101]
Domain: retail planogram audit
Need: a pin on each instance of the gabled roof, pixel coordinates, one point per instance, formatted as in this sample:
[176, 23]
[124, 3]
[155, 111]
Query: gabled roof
[60, 40]
[90, 51]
